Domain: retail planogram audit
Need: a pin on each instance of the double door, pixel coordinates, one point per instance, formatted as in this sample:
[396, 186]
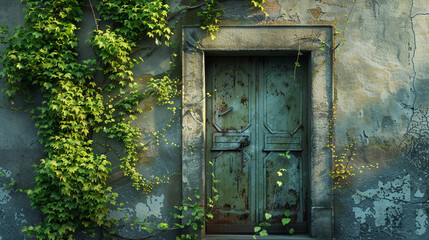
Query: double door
[256, 111]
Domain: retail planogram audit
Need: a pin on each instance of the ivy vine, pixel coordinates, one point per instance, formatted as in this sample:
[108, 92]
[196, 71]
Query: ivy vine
[210, 18]
[71, 188]
[70, 184]
[342, 168]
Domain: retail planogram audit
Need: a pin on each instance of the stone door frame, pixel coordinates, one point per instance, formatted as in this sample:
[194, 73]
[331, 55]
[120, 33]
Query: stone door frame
[262, 40]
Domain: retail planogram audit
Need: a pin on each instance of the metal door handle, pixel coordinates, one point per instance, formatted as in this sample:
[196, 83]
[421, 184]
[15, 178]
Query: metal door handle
[225, 112]
[244, 142]
[230, 141]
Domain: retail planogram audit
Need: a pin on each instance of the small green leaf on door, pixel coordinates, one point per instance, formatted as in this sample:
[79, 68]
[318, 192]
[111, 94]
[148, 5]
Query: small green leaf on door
[263, 233]
[285, 221]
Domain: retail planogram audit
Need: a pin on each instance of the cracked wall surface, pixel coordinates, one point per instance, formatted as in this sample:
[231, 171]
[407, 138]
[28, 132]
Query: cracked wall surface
[382, 84]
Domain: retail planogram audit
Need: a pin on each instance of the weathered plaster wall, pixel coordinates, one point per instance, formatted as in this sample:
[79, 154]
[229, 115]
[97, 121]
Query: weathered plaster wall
[382, 85]
[381, 78]
[19, 150]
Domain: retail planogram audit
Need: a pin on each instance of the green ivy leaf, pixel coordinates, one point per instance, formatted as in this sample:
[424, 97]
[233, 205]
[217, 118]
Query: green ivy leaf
[264, 224]
[163, 226]
[285, 221]
[263, 233]
[10, 184]
[287, 213]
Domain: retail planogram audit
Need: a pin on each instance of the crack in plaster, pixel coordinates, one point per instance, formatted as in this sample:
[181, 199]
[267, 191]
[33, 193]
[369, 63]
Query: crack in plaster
[374, 2]
[414, 75]
[413, 89]
[420, 14]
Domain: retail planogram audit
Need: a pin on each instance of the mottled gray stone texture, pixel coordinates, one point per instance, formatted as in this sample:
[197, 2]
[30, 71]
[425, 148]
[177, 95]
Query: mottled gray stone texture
[380, 76]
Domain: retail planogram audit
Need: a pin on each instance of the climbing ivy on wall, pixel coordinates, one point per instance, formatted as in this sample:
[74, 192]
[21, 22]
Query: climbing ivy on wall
[210, 18]
[70, 187]
[70, 184]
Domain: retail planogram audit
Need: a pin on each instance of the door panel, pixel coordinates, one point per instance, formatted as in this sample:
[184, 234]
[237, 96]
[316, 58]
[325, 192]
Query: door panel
[232, 171]
[282, 97]
[255, 113]
[230, 125]
[287, 194]
[283, 130]
[231, 102]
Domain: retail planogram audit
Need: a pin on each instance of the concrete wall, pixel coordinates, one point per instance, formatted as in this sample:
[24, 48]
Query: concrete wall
[382, 84]
[19, 150]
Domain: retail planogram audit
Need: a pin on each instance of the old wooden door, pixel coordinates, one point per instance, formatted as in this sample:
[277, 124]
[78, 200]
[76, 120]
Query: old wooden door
[256, 111]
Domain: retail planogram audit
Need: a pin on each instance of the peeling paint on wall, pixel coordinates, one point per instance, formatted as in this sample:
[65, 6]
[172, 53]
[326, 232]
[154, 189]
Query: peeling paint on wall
[398, 189]
[421, 221]
[152, 207]
[120, 214]
[4, 192]
[20, 217]
[361, 215]
[142, 211]
[387, 200]
[418, 194]
[387, 213]
[4, 195]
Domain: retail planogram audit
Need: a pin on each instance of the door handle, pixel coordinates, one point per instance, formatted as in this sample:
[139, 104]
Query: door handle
[225, 112]
[230, 141]
[244, 142]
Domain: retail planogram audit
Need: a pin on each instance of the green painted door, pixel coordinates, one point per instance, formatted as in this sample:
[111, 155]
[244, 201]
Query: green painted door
[256, 111]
